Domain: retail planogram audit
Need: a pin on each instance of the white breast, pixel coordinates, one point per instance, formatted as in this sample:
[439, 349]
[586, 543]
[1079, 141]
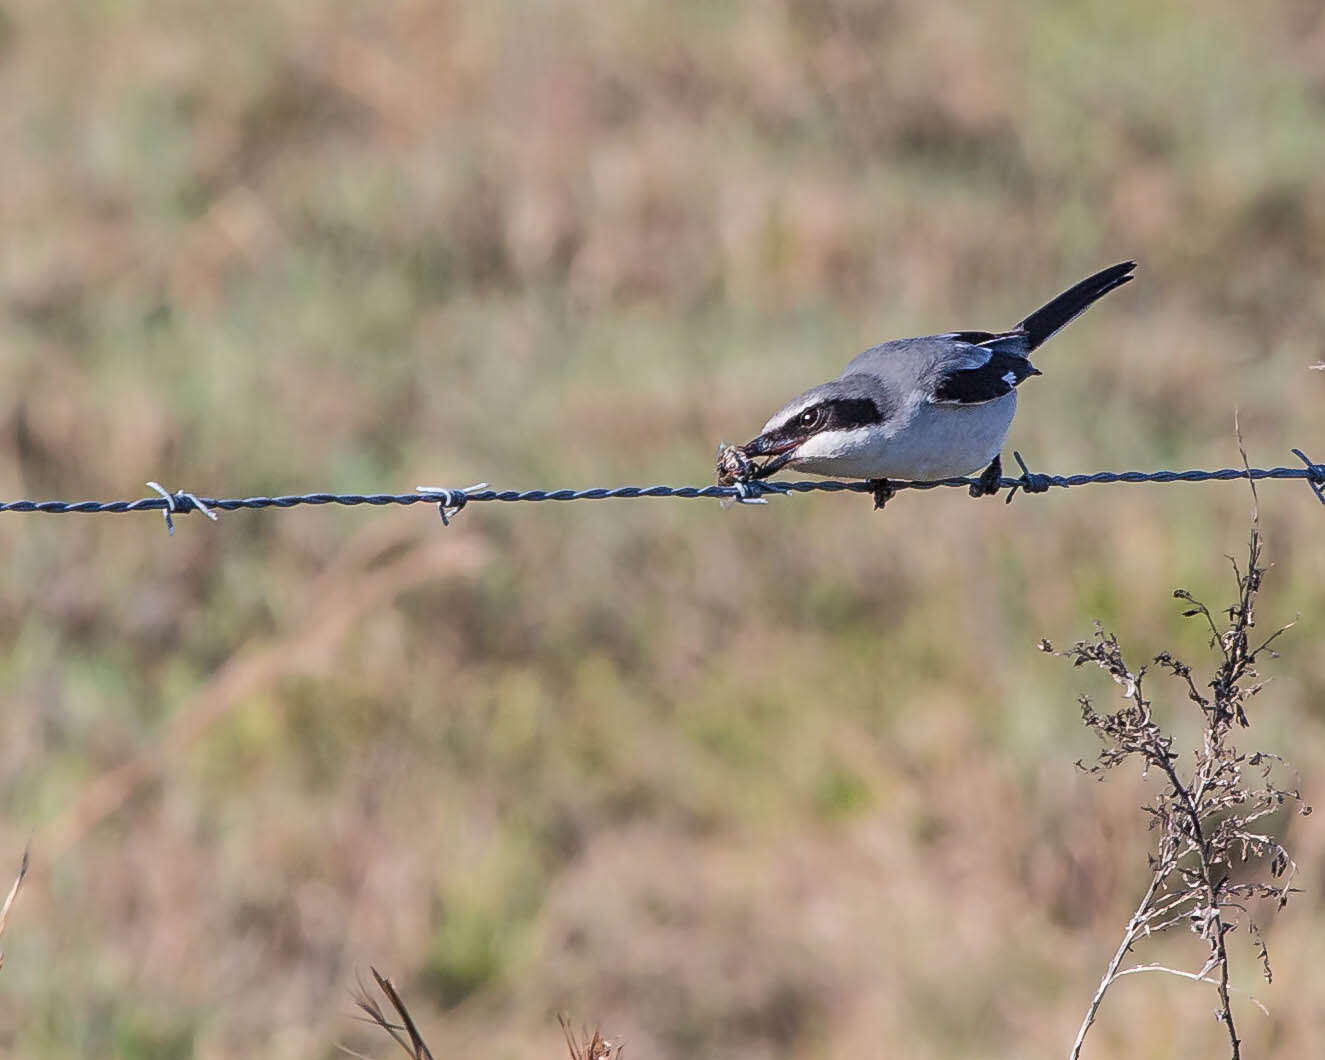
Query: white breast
[928, 441]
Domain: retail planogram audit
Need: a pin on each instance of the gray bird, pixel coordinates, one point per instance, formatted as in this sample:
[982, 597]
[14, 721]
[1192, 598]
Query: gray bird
[921, 409]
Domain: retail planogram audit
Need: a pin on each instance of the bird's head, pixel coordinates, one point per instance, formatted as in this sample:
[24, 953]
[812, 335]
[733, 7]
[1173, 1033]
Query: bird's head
[825, 424]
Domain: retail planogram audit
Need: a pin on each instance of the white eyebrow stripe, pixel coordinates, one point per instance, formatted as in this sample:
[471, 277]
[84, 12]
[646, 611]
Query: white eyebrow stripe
[785, 415]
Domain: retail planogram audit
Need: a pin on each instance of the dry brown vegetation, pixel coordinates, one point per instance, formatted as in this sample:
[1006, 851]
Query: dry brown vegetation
[787, 781]
[10, 898]
[1216, 851]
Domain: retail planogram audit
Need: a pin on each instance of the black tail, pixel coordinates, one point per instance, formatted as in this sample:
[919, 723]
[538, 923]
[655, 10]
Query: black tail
[1069, 305]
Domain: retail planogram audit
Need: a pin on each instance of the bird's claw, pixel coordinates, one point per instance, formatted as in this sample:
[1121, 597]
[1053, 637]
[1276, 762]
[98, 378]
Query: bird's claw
[990, 479]
[884, 491]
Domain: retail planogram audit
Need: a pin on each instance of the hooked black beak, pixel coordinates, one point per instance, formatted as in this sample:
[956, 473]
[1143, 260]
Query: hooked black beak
[778, 449]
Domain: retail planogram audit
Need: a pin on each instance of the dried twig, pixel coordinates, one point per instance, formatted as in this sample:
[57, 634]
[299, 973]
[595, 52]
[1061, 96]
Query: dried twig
[9, 899]
[594, 1047]
[1211, 817]
[405, 1033]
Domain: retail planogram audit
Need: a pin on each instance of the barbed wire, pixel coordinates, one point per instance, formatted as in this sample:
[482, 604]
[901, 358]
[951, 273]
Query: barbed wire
[451, 501]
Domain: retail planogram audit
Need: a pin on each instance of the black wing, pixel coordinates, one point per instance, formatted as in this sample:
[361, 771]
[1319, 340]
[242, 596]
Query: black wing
[974, 338]
[996, 377]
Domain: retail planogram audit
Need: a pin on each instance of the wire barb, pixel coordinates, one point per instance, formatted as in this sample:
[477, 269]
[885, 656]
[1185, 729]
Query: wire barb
[1030, 482]
[750, 491]
[1315, 475]
[746, 495]
[449, 501]
[180, 502]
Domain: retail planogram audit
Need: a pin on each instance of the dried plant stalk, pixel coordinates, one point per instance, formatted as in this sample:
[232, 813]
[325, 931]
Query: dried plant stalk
[406, 1033]
[1214, 815]
[593, 1047]
[9, 899]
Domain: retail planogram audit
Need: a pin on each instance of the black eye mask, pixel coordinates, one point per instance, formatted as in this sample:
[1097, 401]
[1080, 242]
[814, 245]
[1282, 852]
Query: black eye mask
[779, 445]
[846, 413]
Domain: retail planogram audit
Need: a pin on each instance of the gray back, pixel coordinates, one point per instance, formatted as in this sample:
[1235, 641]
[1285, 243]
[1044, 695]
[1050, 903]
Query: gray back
[906, 365]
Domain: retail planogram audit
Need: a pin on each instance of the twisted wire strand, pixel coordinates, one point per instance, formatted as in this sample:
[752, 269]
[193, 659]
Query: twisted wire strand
[450, 501]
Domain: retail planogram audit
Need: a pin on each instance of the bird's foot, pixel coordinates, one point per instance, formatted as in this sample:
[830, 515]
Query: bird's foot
[989, 480]
[883, 492]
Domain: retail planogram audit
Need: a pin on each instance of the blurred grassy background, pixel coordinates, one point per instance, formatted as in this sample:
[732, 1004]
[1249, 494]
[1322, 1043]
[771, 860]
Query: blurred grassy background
[784, 782]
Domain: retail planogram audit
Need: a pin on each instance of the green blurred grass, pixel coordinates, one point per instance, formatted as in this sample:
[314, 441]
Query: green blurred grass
[789, 781]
